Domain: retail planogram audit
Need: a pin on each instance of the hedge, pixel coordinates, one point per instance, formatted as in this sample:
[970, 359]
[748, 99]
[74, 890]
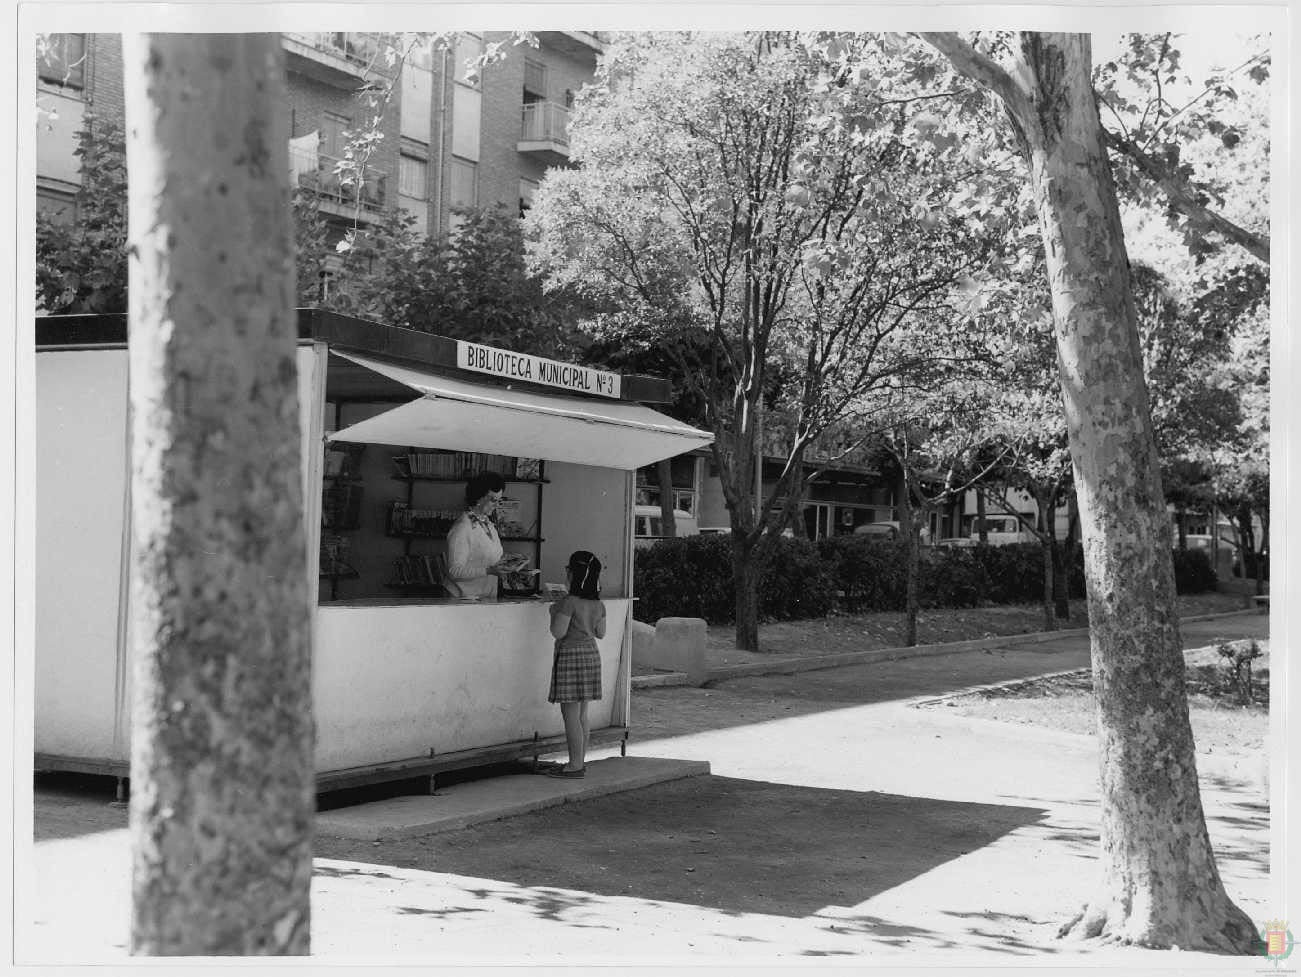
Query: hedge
[1194, 572]
[692, 577]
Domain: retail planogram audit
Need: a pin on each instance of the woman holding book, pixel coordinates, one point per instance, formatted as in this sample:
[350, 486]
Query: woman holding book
[474, 550]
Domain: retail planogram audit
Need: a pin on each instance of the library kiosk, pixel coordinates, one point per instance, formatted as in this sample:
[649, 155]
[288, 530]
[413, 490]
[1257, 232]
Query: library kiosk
[406, 680]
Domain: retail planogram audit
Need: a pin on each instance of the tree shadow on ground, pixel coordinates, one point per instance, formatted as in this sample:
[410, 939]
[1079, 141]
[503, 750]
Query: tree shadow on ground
[735, 846]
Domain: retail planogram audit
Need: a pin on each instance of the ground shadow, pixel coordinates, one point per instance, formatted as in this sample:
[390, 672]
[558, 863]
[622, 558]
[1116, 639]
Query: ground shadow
[72, 805]
[737, 846]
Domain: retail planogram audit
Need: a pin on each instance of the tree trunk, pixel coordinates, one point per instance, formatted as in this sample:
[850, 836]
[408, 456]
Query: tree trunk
[745, 573]
[912, 565]
[222, 779]
[1159, 885]
[1061, 581]
[981, 528]
[668, 521]
[1049, 608]
[1072, 537]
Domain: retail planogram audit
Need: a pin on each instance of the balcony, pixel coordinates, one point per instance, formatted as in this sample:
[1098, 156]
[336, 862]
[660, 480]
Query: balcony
[545, 132]
[584, 45]
[336, 58]
[337, 192]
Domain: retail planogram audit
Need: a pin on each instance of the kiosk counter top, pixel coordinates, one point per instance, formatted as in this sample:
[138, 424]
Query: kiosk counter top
[446, 601]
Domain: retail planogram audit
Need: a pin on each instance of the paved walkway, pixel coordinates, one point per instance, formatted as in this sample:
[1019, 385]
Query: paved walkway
[979, 833]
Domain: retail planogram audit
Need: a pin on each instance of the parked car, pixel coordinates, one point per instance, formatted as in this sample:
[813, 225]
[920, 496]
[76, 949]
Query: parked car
[887, 528]
[956, 542]
[647, 528]
[1003, 531]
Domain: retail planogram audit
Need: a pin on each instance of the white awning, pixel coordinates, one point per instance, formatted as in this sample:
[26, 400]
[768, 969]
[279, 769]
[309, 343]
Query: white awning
[461, 416]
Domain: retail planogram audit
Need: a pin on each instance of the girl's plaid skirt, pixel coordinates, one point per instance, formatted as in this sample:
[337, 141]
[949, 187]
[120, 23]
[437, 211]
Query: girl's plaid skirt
[576, 672]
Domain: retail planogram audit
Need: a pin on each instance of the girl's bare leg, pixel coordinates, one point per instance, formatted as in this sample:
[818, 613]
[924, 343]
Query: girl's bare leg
[573, 715]
[587, 729]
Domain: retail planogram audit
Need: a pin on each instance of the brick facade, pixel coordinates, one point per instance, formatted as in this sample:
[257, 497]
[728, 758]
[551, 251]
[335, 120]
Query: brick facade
[501, 165]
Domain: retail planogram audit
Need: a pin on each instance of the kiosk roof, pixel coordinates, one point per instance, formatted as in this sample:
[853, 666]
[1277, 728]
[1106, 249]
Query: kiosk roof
[462, 416]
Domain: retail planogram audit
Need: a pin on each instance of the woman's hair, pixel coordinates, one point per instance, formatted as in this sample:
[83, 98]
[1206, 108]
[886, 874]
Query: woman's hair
[586, 579]
[481, 484]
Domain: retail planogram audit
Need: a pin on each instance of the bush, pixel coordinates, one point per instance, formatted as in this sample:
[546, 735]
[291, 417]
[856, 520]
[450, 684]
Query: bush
[796, 582]
[1251, 560]
[868, 571]
[1013, 574]
[954, 578]
[691, 576]
[1194, 573]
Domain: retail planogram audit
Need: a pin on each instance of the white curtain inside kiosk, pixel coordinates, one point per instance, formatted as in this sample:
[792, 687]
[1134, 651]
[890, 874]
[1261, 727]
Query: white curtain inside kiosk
[461, 416]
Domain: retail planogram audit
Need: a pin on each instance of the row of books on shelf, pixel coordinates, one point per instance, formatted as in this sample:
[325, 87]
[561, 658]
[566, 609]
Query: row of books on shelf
[403, 520]
[464, 464]
[418, 571]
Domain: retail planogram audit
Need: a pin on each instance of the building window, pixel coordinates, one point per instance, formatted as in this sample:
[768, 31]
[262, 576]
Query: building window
[535, 80]
[63, 62]
[413, 177]
[464, 184]
[333, 141]
[469, 49]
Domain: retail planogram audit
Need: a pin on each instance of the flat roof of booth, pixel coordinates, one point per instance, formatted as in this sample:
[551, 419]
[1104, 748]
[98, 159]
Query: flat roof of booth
[438, 404]
[427, 351]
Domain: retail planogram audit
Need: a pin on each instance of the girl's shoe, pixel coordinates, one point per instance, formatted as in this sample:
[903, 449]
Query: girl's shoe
[568, 774]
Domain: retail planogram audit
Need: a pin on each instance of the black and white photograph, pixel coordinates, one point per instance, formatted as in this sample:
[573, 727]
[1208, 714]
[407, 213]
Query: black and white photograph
[788, 486]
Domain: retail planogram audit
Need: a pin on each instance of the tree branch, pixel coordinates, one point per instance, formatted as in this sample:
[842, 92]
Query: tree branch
[983, 70]
[1180, 194]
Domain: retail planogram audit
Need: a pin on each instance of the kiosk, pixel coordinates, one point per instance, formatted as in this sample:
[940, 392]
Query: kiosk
[406, 681]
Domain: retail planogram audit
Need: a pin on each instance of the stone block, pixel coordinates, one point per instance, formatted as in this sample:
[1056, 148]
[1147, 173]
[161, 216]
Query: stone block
[680, 646]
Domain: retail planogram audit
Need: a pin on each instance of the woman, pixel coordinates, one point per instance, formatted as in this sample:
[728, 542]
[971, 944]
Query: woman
[474, 549]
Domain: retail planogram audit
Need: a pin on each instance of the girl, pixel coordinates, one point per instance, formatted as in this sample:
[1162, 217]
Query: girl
[577, 620]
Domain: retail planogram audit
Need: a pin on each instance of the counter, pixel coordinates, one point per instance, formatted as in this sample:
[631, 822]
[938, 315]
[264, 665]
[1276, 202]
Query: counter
[396, 679]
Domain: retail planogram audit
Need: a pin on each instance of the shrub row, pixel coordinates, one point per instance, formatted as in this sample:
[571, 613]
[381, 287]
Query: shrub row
[692, 577]
[1194, 572]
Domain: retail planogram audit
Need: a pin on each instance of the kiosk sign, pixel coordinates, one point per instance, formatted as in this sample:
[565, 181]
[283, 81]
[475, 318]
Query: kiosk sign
[535, 369]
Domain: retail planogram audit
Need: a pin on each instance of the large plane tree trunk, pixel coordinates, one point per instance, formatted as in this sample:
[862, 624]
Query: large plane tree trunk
[1159, 885]
[222, 781]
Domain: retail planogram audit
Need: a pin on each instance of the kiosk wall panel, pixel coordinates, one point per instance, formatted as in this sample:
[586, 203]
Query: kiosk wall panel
[81, 502]
[585, 508]
[392, 682]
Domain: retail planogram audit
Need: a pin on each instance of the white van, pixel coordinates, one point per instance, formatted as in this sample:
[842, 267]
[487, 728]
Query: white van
[1004, 531]
[647, 529]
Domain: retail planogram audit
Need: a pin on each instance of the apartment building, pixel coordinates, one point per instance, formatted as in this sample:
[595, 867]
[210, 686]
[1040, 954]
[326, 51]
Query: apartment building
[451, 137]
[478, 139]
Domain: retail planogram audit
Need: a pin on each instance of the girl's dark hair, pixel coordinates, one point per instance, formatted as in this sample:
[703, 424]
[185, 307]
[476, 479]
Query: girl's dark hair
[586, 579]
[481, 484]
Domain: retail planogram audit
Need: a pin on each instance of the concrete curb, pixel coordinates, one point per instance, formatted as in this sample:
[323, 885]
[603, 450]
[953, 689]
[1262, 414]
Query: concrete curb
[790, 666]
[1012, 683]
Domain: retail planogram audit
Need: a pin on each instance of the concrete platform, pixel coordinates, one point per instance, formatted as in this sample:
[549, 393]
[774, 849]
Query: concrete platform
[476, 802]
